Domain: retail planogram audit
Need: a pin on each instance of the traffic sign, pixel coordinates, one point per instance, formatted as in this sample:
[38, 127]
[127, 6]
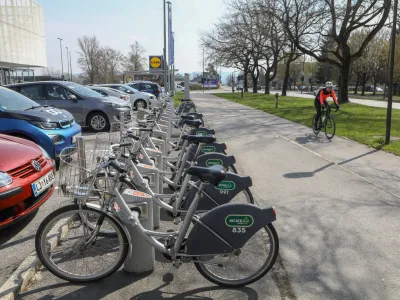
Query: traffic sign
[155, 62]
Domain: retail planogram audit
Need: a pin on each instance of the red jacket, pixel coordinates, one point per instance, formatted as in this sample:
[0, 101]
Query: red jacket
[323, 94]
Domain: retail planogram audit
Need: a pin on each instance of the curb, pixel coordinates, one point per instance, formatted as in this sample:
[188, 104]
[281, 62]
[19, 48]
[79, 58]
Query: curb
[20, 278]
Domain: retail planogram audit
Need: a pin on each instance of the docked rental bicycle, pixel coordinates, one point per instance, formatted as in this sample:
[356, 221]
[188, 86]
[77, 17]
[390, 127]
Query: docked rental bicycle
[230, 245]
[326, 122]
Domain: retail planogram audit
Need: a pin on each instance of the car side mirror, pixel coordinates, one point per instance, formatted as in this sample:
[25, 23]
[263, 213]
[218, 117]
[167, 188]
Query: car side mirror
[73, 98]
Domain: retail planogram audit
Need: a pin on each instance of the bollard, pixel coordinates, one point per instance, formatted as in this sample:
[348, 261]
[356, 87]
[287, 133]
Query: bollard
[187, 86]
[80, 145]
[142, 257]
[276, 100]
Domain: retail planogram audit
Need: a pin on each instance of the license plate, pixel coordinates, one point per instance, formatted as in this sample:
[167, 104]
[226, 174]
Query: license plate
[74, 137]
[40, 185]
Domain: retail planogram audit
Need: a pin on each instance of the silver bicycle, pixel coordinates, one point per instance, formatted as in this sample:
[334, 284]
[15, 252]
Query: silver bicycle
[230, 245]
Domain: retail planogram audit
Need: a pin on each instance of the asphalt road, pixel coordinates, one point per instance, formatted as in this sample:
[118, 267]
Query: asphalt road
[337, 203]
[18, 241]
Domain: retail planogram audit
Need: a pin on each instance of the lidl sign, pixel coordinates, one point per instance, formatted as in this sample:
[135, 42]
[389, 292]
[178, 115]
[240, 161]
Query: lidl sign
[155, 62]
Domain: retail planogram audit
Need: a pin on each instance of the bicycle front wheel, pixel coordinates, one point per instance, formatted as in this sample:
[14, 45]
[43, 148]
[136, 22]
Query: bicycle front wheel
[330, 127]
[250, 264]
[61, 245]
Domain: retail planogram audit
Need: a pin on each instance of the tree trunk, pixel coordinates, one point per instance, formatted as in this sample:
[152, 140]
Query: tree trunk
[245, 82]
[255, 81]
[286, 78]
[364, 82]
[375, 84]
[344, 83]
[267, 83]
[357, 82]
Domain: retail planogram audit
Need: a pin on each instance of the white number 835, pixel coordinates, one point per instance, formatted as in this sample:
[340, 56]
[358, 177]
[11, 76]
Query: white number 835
[238, 230]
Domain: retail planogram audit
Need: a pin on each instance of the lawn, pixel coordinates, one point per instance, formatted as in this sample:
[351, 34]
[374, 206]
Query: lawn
[360, 123]
[177, 97]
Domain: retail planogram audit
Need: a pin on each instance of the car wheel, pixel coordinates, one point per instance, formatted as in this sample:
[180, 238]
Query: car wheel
[98, 122]
[140, 102]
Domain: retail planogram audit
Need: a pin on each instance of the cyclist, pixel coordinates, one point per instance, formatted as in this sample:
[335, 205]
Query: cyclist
[321, 97]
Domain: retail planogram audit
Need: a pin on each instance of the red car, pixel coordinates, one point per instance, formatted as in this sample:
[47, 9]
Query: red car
[27, 176]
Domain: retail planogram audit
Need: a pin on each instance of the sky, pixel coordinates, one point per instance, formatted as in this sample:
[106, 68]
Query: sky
[119, 23]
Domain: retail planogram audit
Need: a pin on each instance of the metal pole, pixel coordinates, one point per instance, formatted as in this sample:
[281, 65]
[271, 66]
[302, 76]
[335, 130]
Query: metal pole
[165, 51]
[390, 87]
[62, 63]
[169, 43]
[70, 64]
[386, 73]
[202, 79]
[67, 63]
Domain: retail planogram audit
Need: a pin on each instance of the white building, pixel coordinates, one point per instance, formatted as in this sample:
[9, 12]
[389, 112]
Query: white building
[22, 39]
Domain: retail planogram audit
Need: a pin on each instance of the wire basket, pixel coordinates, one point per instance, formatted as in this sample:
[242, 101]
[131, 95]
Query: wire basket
[75, 178]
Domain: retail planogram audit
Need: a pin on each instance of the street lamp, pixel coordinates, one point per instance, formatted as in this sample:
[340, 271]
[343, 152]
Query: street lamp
[67, 63]
[70, 64]
[62, 64]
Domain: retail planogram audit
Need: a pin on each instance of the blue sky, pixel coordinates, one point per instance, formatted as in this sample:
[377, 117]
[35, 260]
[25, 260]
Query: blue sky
[118, 23]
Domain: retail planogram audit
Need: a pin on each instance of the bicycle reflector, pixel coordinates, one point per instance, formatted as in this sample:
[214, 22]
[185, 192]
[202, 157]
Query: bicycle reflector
[273, 208]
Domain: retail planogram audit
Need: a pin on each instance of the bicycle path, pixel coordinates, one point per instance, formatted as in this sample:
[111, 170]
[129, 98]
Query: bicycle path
[338, 203]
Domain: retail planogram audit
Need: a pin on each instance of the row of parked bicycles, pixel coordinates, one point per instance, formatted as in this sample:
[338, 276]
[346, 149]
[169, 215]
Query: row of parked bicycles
[219, 228]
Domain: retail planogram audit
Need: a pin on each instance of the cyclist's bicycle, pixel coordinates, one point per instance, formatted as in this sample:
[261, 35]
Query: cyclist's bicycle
[326, 122]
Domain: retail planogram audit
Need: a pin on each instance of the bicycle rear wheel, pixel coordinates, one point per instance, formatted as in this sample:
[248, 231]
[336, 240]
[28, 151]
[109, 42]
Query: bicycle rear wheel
[252, 262]
[315, 125]
[330, 127]
[60, 245]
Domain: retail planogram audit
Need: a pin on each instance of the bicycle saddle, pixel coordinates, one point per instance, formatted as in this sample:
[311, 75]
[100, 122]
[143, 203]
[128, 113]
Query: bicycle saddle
[187, 117]
[194, 123]
[195, 115]
[213, 175]
[196, 139]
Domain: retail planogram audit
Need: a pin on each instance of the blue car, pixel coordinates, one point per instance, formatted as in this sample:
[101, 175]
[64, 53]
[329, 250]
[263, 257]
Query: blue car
[51, 128]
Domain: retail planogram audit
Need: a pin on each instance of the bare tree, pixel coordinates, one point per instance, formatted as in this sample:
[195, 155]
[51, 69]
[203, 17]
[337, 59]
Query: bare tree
[52, 72]
[309, 22]
[89, 56]
[135, 61]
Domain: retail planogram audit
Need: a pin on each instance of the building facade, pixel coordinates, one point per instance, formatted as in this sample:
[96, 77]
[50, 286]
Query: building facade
[22, 39]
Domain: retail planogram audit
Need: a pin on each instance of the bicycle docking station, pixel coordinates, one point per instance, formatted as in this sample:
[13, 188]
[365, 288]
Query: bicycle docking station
[141, 257]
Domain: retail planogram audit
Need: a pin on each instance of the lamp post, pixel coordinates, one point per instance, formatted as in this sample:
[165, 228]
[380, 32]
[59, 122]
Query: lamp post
[165, 51]
[202, 78]
[390, 87]
[70, 64]
[68, 77]
[62, 63]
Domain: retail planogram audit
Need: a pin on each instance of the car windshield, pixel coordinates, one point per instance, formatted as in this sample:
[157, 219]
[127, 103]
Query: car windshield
[10, 100]
[83, 91]
[130, 88]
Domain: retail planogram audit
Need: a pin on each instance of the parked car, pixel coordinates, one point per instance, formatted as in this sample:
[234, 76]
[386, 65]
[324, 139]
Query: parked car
[146, 86]
[110, 92]
[88, 107]
[27, 176]
[179, 88]
[137, 98]
[379, 90]
[53, 129]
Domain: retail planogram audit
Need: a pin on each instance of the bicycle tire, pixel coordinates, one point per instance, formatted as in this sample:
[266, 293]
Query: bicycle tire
[330, 124]
[313, 125]
[206, 273]
[41, 250]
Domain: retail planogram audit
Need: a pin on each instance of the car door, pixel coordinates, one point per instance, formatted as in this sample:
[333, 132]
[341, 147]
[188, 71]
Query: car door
[34, 92]
[63, 98]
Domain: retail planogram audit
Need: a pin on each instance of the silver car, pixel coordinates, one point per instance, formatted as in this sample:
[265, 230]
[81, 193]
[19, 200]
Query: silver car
[88, 107]
[146, 100]
[109, 92]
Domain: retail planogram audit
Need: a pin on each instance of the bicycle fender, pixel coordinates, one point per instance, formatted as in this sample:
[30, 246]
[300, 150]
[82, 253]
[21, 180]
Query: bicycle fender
[212, 159]
[202, 131]
[128, 236]
[214, 196]
[227, 227]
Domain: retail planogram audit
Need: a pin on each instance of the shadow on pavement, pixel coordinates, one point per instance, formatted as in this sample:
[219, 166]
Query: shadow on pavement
[11, 231]
[295, 175]
[308, 138]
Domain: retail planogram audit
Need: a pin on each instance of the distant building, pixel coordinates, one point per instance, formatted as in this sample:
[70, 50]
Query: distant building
[22, 40]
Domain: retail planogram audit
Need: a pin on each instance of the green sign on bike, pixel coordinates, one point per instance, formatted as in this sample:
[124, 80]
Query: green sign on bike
[213, 162]
[239, 221]
[226, 185]
[207, 149]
